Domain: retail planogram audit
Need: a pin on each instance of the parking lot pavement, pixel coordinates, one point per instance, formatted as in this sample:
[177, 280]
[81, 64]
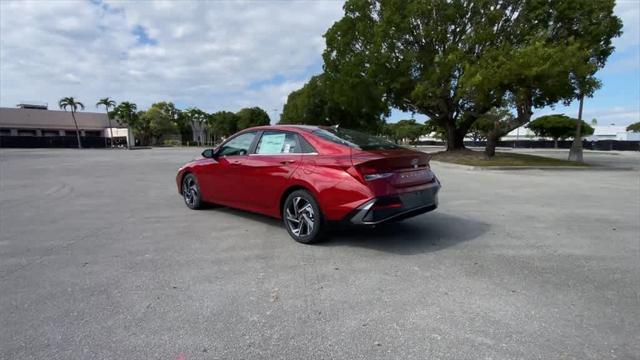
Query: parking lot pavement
[100, 259]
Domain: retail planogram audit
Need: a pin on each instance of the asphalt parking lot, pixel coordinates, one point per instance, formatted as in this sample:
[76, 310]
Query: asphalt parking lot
[100, 259]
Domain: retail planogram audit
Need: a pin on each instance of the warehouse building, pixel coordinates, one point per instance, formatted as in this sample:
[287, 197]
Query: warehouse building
[33, 125]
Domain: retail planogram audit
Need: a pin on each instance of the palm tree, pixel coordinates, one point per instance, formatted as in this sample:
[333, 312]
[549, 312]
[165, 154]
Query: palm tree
[126, 112]
[107, 103]
[72, 104]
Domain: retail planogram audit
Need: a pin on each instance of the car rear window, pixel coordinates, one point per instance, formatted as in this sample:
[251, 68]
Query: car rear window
[355, 139]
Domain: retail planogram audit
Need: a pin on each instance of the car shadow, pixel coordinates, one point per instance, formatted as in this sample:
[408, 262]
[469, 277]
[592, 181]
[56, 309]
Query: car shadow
[267, 220]
[431, 232]
[426, 233]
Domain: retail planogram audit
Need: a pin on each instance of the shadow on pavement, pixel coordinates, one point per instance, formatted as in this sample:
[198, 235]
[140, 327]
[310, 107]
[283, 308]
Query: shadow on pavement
[425, 233]
[267, 220]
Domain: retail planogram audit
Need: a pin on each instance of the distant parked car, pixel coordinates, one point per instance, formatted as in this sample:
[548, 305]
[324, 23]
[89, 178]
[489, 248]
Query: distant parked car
[309, 176]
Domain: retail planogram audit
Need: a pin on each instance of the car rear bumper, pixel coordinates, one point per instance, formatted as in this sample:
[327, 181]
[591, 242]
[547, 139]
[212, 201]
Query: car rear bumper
[402, 206]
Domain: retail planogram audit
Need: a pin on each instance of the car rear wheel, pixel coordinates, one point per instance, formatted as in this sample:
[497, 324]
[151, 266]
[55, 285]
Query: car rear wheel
[191, 192]
[302, 217]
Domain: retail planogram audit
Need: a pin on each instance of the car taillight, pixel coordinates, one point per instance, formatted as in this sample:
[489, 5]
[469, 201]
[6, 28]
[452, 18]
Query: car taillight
[370, 174]
[371, 177]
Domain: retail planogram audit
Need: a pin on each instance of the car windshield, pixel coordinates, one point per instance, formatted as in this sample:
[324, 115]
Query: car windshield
[355, 139]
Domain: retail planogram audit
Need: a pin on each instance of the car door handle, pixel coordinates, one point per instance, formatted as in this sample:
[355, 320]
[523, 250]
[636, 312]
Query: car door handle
[235, 162]
[287, 162]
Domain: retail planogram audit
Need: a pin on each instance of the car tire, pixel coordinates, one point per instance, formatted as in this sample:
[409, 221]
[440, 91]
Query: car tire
[302, 217]
[191, 192]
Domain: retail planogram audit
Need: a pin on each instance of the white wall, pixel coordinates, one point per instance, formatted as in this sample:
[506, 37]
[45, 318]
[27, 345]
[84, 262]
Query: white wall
[117, 132]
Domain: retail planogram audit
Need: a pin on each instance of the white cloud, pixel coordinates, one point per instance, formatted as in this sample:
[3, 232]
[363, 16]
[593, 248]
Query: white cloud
[214, 55]
[205, 54]
[629, 12]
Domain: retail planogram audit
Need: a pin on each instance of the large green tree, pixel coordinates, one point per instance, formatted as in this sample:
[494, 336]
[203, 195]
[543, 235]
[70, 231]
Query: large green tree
[491, 126]
[158, 121]
[184, 128]
[558, 127]
[405, 130]
[143, 128]
[107, 103]
[635, 127]
[224, 123]
[125, 113]
[324, 102]
[455, 60]
[73, 105]
[250, 117]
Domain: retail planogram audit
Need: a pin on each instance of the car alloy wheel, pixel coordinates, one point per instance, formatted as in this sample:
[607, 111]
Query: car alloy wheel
[191, 192]
[300, 217]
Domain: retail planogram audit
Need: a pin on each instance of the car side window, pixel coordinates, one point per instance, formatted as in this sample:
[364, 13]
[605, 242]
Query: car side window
[305, 147]
[277, 143]
[239, 145]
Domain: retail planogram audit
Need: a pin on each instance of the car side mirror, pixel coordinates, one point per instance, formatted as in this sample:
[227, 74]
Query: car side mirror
[209, 153]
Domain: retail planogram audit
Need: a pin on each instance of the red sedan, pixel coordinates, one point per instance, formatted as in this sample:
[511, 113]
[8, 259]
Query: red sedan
[310, 176]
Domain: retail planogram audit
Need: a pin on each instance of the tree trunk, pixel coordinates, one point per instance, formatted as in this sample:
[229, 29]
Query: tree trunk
[492, 142]
[575, 154]
[130, 139]
[455, 138]
[77, 130]
[555, 143]
[110, 127]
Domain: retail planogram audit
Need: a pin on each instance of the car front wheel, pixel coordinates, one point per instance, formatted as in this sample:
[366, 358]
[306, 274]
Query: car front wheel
[191, 192]
[302, 217]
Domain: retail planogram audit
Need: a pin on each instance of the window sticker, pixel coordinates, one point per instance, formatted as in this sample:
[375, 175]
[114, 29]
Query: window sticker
[287, 148]
[271, 144]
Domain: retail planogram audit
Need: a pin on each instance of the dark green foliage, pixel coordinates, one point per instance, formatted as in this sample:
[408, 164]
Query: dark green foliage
[70, 103]
[433, 129]
[125, 114]
[635, 127]
[159, 120]
[455, 60]
[320, 102]
[405, 129]
[223, 123]
[250, 117]
[497, 120]
[107, 103]
[557, 127]
[184, 128]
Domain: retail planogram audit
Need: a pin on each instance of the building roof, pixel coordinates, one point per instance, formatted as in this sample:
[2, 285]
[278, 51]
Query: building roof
[608, 130]
[16, 118]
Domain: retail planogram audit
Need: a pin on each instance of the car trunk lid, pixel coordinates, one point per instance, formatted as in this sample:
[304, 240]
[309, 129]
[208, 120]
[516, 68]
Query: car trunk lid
[398, 167]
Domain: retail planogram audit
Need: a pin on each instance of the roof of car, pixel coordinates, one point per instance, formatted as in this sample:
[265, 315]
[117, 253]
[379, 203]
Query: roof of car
[288, 126]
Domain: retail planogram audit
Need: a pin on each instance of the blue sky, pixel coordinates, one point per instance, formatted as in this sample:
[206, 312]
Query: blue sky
[219, 55]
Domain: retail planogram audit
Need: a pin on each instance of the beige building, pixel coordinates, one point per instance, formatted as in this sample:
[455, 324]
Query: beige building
[35, 123]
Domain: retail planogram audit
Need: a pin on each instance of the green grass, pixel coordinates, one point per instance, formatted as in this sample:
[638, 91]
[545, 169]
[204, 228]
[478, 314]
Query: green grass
[477, 158]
